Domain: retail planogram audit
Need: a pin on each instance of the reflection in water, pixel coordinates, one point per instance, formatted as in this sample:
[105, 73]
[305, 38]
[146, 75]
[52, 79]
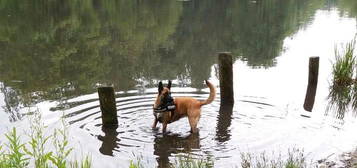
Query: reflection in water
[167, 144]
[348, 7]
[110, 141]
[12, 102]
[354, 97]
[61, 49]
[223, 124]
[66, 47]
[341, 98]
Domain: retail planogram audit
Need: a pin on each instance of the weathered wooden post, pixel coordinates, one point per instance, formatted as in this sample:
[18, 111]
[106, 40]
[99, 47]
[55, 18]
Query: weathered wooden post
[312, 85]
[226, 78]
[108, 106]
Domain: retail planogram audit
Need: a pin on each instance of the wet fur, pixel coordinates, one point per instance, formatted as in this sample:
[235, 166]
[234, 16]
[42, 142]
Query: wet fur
[185, 107]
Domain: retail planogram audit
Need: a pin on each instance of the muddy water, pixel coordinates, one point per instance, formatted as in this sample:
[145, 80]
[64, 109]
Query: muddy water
[69, 50]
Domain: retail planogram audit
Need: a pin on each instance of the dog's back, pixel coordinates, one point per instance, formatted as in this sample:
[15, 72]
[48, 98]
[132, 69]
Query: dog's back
[185, 106]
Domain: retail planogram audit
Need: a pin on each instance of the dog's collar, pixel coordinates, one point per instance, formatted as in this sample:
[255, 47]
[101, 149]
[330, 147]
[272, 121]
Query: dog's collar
[168, 107]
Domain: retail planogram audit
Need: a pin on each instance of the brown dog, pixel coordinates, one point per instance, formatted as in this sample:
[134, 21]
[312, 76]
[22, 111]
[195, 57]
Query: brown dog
[179, 107]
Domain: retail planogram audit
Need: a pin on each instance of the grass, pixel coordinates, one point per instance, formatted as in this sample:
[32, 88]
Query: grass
[343, 91]
[296, 159]
[354, 98]
[340, 98]
[34, 152]
[135, 165]
[345, 65]
[189, 162]
[15, 157]
[182, 161]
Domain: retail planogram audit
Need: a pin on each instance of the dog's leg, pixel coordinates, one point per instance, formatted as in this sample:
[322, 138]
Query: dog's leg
[164, 125]
[193, 120]
[155, 123]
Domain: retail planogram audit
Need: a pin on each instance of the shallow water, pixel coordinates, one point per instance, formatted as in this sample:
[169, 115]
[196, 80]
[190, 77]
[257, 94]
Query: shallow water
[56, 72]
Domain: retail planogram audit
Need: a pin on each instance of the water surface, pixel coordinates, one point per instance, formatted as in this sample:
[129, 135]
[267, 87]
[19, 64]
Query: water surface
[53, 55]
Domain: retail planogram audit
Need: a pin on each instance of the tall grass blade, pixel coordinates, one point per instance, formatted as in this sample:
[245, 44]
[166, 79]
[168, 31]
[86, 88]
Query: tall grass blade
[343, 88]
[15, 157]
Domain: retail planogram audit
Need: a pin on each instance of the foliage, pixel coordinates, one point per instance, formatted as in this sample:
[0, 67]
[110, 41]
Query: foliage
[15, 157]
[61, 49]
[343, 86]
[345, 65]
[37, 144]
[62, 151]
[23, 155]
[348, 7]
[296, 159]
[85, 163]
[136, 164]
[189, 162]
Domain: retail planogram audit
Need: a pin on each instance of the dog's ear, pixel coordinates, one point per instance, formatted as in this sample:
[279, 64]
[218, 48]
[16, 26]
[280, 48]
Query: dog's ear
[169, 85]
[161, 87]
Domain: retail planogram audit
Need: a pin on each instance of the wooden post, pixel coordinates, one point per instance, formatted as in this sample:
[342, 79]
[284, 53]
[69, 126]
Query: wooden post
[226, 78]
[312, 85]
[108, 106]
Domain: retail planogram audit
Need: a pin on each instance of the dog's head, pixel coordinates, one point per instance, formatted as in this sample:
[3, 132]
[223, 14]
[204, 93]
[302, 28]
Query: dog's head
[164, 95]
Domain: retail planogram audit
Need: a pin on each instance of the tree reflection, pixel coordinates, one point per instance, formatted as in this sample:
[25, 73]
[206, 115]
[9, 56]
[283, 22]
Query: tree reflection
[62, 49]
[12, 103]
[348, 7]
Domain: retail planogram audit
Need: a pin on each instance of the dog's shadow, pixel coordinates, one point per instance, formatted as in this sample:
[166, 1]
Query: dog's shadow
[167, 144]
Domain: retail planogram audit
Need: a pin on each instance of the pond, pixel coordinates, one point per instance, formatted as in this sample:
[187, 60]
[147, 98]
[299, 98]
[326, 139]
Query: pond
[54, 54]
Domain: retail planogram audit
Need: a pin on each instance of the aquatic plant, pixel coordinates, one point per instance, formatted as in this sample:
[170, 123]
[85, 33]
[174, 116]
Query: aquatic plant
[343, 86]
[345, 65]
[135, 164]
[181, 161]
[188, 161]
[15, 157]
[354, 93]
[295, 159]
[34, 153]
[85, 163]
[37, 143]
[339, 100]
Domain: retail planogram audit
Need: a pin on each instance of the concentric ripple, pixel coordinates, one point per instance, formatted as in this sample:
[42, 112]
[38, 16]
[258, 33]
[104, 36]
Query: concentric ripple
[223, 131]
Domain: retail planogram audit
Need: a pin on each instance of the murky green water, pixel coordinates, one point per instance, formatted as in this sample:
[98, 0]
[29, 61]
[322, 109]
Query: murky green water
[53, 55]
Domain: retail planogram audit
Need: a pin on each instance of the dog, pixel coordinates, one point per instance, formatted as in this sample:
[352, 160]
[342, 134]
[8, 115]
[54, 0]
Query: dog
[168, 109]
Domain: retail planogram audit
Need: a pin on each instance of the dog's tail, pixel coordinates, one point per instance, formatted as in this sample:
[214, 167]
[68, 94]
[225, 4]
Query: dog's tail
[211, 96]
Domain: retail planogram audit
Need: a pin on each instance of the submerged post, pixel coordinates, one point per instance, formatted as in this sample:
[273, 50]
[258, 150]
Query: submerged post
[108, 106]
[312, 85]
[226, 78]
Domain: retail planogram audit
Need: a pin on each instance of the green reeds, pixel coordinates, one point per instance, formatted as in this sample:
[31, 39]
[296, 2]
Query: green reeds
[354, 93]
[296, 159]
[35, 153]
[136, 164]
[15, 157]
[182, 161]
[85, 163]
[36, 150]
[345, 65]
[190, 162]
[343, 87]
